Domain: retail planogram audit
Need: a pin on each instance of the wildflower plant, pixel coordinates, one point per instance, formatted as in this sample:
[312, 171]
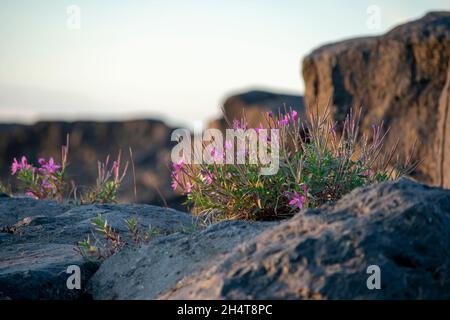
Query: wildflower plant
[44, 181]
[108, 182]
[316, 165]
[47, 180]
[139, 237]
[111, 240]
[106, 241]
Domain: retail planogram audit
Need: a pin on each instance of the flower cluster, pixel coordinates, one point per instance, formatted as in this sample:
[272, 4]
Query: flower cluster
[19, 166]
[317, 164]
[284, 121]
[47, 179]
[43, 182]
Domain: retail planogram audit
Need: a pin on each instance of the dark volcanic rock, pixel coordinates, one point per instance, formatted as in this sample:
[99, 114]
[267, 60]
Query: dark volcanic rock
[403, 227]
[93, 141]
[443, 136]
[253, 104]
[397, 78]
[157, 267]
[37, 242]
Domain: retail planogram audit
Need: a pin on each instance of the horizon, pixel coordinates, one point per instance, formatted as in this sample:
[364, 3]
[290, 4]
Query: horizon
[168, 62]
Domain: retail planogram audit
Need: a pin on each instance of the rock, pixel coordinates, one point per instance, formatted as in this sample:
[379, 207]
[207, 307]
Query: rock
[443, 136]
[92, 141]
[397, 78]
[36, 271]
[253, 104]
[38, 238]
[157, 267]
[403, 227]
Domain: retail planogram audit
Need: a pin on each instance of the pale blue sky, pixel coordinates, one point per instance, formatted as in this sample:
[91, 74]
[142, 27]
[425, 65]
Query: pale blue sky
[175, 60]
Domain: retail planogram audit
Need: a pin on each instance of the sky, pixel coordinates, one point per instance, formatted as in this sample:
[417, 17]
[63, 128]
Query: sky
[173, 60]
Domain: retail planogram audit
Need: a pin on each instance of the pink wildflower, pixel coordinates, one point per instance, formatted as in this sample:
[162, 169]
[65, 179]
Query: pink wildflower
[47, 185]
[188, 188]
[23, 165]
[284, 121]
[174, 184]
[50, 166]
[178, 166]
[294, 115]
[298, 200]
[207, 176]
[15, 167]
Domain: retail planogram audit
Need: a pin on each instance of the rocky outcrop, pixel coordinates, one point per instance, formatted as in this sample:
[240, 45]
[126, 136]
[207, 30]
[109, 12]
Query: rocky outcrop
[253, 104]
[150, 271]
[443, 135]
[93, 141]
[401, 227]
[38, 238]
[397, 78]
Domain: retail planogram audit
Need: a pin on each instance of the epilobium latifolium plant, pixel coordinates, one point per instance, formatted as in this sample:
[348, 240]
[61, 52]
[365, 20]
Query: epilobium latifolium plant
[45, 181]
[48, 179]
[316, 165]
[108, 181]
